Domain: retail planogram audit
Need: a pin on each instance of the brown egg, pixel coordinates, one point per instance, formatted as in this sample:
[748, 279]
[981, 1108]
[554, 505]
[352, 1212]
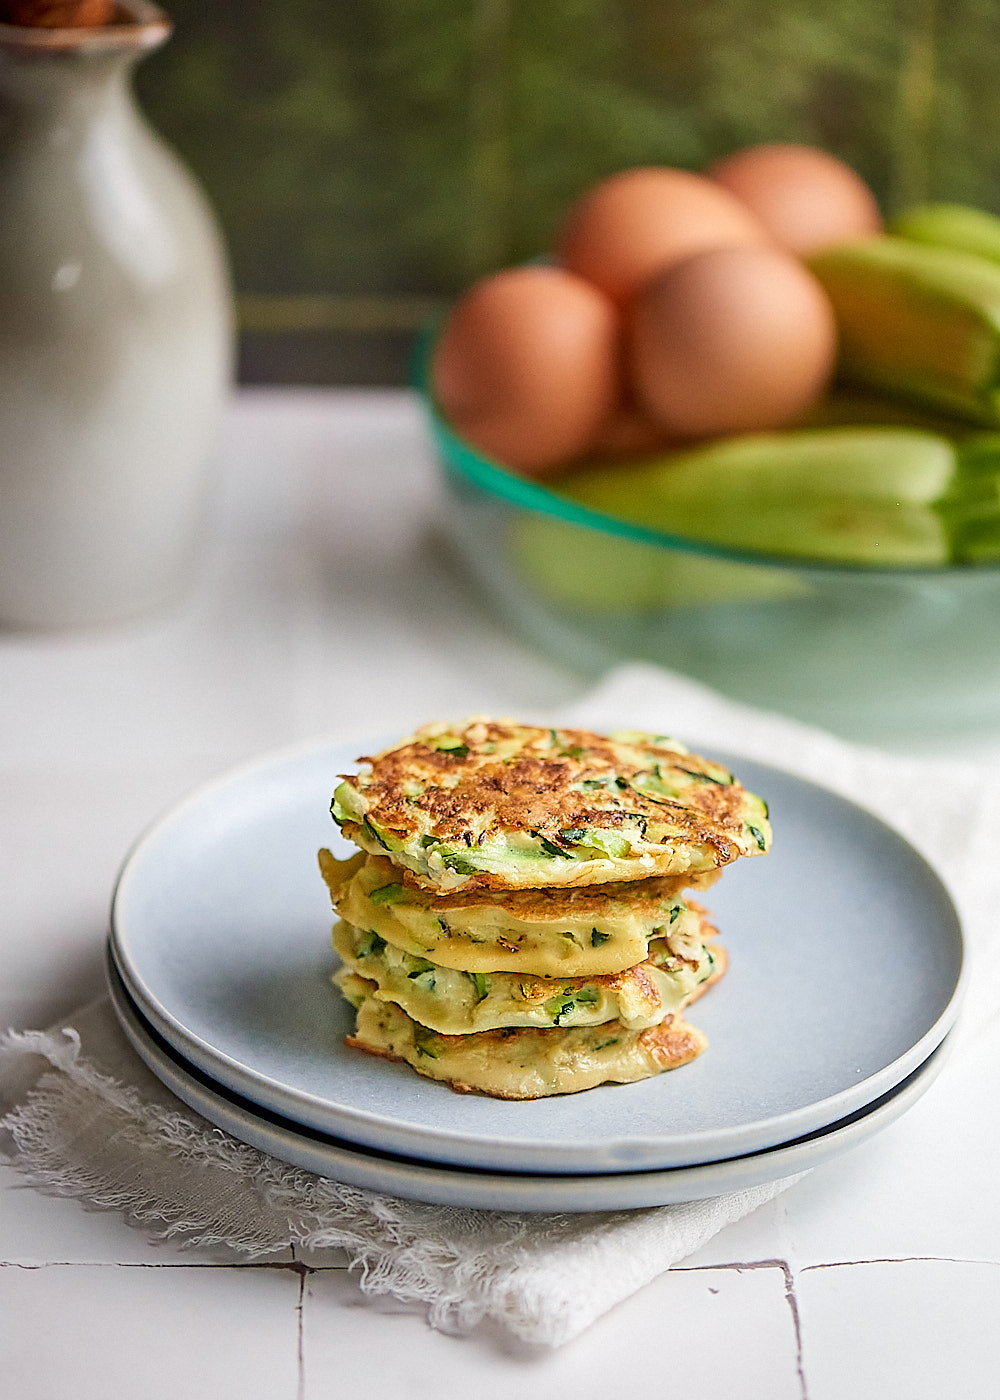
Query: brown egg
[634, 225]
[805, 198]
[527, 368]
[731, 340]
[628, 433]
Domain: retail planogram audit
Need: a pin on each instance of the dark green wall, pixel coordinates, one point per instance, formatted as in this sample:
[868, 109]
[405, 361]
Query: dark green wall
[368, 157]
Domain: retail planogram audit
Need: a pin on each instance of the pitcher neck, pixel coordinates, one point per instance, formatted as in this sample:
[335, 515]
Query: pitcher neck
[57, 73]
[64, 87]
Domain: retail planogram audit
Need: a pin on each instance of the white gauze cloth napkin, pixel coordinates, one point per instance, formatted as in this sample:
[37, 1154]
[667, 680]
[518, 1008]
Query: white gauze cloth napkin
[86, 1119]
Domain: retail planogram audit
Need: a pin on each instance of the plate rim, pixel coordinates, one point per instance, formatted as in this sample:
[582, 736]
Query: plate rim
[379, 1131]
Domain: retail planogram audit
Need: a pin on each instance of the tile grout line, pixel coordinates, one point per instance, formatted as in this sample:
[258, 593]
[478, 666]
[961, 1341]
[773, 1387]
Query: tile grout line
[300, 1350]
[295, 1266]
[793, 1304]
[900, 1259]
[792, 1270]
[740, 1265]
[290, 1266]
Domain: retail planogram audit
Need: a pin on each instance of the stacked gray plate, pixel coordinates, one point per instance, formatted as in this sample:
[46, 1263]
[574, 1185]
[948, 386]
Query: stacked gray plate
[845, 978]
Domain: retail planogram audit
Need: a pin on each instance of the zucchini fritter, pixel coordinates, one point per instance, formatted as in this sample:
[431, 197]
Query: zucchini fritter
[571, 932]
[522, 1063]
[497, 805]
[458, 1002]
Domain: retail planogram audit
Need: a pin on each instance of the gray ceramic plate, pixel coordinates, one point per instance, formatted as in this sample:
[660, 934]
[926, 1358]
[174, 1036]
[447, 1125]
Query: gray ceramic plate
[846, 971]
[481, 1190]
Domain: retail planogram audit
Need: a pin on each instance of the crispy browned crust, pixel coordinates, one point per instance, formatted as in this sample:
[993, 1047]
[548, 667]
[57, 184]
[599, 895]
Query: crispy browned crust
[672, 1044]
[554, 901]
[356, 1044]
[479, 794]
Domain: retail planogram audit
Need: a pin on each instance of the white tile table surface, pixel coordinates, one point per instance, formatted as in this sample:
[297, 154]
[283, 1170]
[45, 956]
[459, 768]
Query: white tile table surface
[325, 604]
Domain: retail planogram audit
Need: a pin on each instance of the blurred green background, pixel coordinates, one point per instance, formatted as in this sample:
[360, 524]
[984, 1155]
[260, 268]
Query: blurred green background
[367, 159]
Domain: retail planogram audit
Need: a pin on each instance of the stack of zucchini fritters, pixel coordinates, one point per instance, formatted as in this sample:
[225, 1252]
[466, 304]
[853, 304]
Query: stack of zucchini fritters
[514, 923]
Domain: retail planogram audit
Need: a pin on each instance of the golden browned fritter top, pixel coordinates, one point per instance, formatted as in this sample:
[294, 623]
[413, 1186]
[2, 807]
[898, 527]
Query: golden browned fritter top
[494, 804]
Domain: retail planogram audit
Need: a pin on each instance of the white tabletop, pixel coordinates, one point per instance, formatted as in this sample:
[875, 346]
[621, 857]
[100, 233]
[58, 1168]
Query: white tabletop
[327, 604]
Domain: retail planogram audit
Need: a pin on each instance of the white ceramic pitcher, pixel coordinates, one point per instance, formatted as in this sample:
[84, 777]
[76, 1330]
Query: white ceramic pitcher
[115, 333]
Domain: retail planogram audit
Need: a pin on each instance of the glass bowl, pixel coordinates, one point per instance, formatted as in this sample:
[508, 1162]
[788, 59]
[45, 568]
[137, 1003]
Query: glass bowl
[883, 654]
